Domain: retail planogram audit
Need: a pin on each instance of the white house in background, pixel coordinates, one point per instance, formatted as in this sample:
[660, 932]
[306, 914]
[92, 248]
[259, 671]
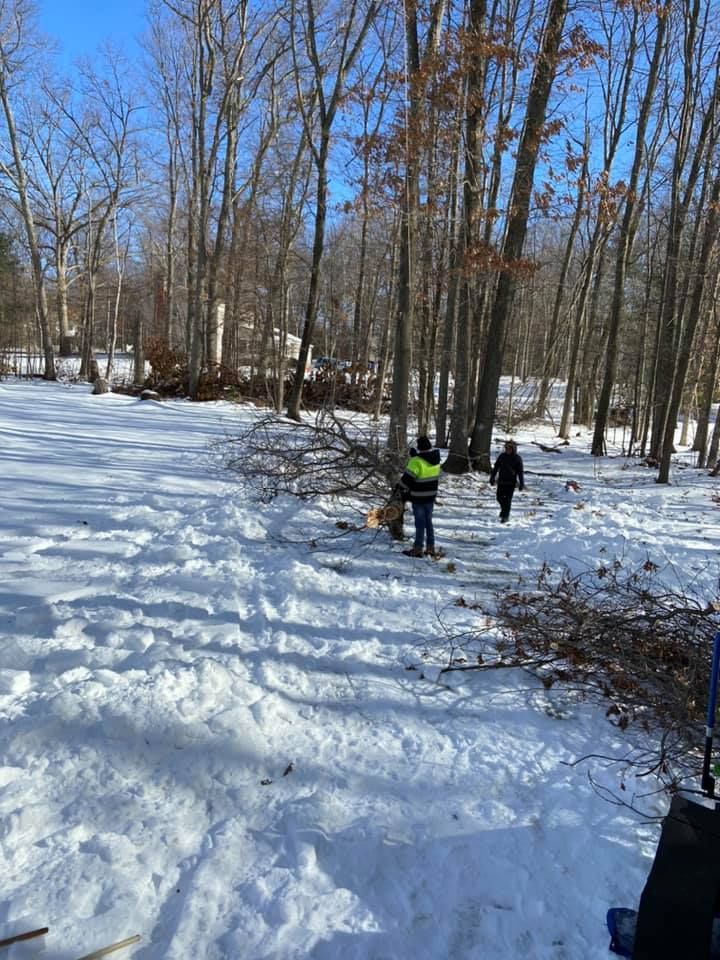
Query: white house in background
[292, 347]
[247, 338]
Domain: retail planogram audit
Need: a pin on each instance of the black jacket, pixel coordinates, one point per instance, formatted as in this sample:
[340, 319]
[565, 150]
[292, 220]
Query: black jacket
[508, 470]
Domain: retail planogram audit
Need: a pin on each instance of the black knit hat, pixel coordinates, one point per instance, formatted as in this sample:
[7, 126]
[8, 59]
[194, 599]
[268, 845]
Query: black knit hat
[424, 444]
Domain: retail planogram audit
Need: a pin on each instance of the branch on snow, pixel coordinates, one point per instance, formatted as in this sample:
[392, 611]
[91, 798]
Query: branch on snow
[324, 457]
[613, 634]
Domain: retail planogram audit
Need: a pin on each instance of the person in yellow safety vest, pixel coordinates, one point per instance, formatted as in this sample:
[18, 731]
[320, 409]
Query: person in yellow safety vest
[420, 480]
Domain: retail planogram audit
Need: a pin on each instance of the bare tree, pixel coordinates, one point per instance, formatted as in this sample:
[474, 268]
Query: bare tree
[519, 207]
[698, 295]
[693, 129]
[631, 212]
[476, 41]
[329, 73]
[18, 46]
[275, 323]
[165, 50]
[374, 87]
[550, 361]
[418, 52]
[104, 127]
[205, 96]
[58, 186]
[711, 353]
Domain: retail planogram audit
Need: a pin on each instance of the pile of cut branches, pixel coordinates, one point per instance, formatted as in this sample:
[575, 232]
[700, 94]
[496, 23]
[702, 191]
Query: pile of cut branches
[325, 457]
[613, 634]
[618, 633]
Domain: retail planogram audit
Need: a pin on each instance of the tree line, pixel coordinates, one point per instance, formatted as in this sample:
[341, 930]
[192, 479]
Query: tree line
[439, 192]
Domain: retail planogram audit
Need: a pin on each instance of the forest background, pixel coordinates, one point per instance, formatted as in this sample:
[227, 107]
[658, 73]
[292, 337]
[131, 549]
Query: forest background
[435, 193]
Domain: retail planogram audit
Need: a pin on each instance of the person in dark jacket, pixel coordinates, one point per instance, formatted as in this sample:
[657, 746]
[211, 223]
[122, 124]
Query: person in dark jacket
[420, 480]
[508, 471]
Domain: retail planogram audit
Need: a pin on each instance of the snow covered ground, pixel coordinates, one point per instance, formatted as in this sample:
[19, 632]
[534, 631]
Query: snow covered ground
[211, 737]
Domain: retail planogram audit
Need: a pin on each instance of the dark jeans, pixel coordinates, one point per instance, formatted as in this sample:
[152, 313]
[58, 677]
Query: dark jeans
[423, 512]
[504, 496]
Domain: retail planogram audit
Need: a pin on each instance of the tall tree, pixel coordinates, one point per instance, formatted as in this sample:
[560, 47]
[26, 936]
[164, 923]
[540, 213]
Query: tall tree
[165, 50]
[215, 37]
[696, 132]
[331, 49]
[103, 124]
[550, 359]
[476, 42]
[631, 213]
[417, 56]
[19, 46]
[707, 386]
[519, 209]
[698, 295]
[58, 184]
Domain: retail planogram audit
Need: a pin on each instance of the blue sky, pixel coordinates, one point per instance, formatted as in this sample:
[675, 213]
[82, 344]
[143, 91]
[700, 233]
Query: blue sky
[80, 25]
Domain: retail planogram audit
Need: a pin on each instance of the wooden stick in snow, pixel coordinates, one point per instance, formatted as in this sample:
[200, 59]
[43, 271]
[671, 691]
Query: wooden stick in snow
[23, 936]
[104, 951]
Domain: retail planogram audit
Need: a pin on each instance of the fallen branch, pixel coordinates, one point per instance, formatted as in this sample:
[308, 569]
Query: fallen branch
[458, 666]
[18, 937]
[328, 457]
[556, 449]
[611, 634]
[104, 951]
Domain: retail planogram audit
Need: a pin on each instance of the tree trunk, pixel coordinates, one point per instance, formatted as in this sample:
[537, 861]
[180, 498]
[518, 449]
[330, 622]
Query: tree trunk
[626, 237]
[550, 361]
[385, 341]
[138, 350]
[683, 184]
[170, 241]
[313, 297]
[579, 331]
[457, 460]
[450, 324]
[350, 50]
[682, 357]
[708, 390]
[21, 184]
[61, 301]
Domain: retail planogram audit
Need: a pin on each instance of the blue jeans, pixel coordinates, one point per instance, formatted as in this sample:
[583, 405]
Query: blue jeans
[422, 512]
